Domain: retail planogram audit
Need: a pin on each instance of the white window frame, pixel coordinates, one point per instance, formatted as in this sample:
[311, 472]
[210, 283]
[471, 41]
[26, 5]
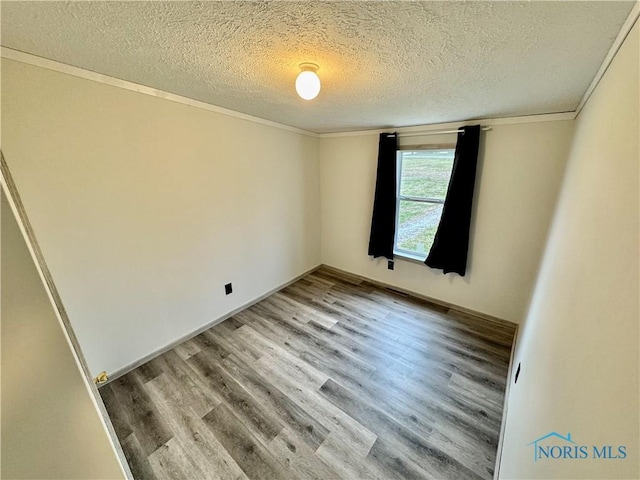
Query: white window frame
[400, 252]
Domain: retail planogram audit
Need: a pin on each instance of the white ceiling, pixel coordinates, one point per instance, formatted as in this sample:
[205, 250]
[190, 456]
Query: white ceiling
[382, 64]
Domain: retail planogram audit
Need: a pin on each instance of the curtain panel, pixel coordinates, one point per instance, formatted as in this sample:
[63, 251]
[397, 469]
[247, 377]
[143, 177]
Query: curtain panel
[383, 221]
[451, 243]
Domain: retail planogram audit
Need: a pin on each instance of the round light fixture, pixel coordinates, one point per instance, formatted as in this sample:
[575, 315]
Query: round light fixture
[308, 82]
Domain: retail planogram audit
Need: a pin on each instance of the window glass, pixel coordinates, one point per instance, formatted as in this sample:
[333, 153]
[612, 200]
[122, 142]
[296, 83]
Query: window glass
[422, 187]
[426, 173]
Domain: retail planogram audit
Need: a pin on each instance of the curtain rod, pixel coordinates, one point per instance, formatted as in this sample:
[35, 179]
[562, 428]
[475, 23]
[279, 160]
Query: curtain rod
[436, 132]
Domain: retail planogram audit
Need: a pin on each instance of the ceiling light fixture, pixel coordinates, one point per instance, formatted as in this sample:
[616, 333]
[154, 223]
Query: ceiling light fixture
[308, 82]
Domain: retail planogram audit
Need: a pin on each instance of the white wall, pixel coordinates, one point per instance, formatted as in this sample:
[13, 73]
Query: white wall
[50, 427]
[145, 208]
[519, 173]
[579, 345]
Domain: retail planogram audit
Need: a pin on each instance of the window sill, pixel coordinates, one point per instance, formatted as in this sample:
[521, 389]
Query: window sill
[410, 257]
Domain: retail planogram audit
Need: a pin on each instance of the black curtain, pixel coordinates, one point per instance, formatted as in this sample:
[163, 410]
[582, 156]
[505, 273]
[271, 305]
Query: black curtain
[383, 221]
[451, 243]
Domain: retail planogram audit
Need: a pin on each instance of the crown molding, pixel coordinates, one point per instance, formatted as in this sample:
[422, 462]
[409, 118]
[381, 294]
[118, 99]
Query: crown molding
[617, 43]
[30, 59]
[41, 62]
[488, 122]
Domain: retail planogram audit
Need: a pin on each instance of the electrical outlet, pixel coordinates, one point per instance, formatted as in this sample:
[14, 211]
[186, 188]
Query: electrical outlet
[228, 288]
[390, 264]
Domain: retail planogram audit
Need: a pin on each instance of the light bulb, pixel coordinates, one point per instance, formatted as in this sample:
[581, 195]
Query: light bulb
[308, 82]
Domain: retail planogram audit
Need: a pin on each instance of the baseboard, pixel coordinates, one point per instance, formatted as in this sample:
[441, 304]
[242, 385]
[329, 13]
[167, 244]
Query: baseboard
[435, 301]
[505, 407]
[132, 366]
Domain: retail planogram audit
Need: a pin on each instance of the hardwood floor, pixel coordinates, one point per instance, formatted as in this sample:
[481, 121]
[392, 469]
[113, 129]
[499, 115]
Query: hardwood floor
[332, 377]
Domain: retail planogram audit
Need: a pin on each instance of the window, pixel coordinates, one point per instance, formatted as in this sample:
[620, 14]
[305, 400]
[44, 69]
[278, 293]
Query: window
[423, 179]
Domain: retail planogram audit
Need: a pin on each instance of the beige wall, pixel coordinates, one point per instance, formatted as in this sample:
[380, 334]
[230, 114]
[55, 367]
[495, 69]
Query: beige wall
[519, 172]
[50, 427]
[145, 208]
[579, 345]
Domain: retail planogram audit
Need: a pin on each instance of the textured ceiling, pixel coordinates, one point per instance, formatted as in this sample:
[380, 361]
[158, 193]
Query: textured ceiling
[382, 64]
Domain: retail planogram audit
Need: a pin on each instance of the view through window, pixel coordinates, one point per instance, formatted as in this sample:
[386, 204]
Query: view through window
[423, 179]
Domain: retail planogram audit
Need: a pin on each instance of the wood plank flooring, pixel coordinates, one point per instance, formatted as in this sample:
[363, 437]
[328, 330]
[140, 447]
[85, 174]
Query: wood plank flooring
[332, 377]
